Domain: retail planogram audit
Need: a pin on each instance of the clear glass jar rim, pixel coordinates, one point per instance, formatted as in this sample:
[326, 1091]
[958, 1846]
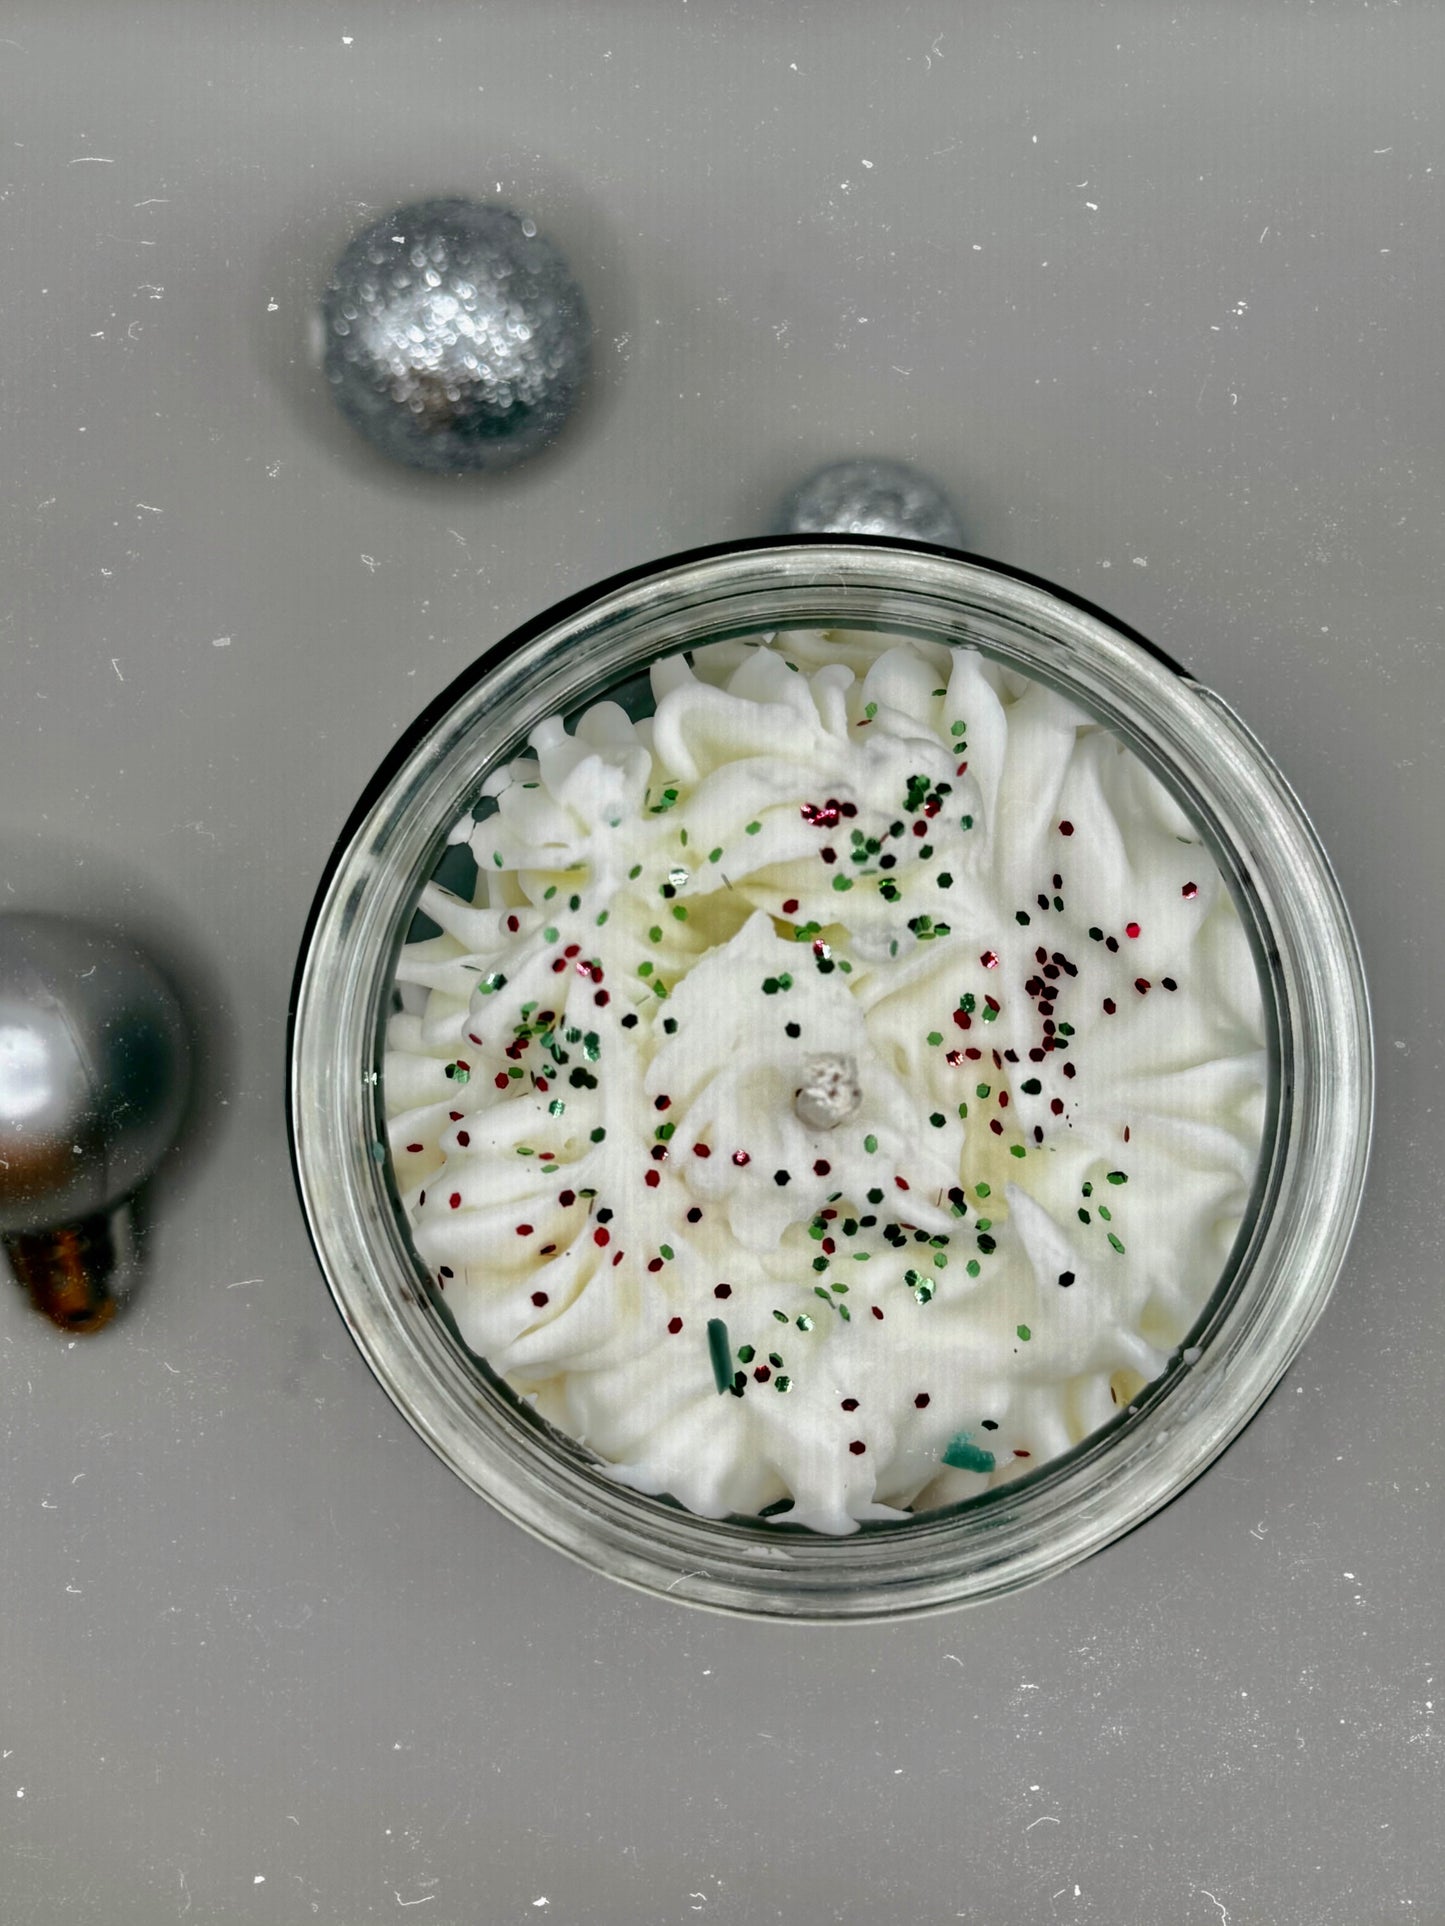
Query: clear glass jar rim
[1310, 966]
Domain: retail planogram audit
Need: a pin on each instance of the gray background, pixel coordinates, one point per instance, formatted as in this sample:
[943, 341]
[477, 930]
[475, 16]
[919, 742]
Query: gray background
[1156, 290]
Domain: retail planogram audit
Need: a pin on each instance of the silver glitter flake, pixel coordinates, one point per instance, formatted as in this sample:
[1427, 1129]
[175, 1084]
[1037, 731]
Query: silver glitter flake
[830, 1094]
[870, 498]
[456, 337]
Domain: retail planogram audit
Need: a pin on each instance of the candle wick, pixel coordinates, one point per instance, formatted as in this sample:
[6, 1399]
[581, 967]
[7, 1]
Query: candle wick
[830, 1092]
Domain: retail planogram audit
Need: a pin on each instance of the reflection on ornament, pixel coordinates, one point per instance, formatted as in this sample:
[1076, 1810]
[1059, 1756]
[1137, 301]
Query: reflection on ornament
[456, 338]
[870, 498]
[94, 1065]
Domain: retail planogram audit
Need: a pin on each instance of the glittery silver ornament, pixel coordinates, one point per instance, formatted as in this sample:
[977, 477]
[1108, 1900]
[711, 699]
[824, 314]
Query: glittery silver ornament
[870, 498]
[830, 1093]
[456, 338]
[94, 1062]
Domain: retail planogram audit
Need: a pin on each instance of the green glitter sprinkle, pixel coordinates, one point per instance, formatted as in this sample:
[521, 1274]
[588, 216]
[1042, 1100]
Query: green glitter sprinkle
[598, 1134]
[1016, 1150]
[803, 1321]
[965, 822]
[783, 1383]
[1088, 1190]
[820, 1263]
[1118, 1246]
[1023, 917]
[665, 1250]
[550, 934]
[720, 1351]
[457, 1074]
[1106, 1213]
[574, 902]
[602, 917]
[1031, 1086]
[870, 709]
[679, 912]
[645, 967]
[1117, 1177]
[958, 728]
[746, 1354]
[842, 882]
[982, 1190]
[964, 1456]
[781, 1316]
[818, 1291]
[934, 1038]
[714, 855]
[1024, 1333]
[938, 1120]
[973, 1267]
[632, 874]
[556, 1107]
[682, 837]
[1084, 1217]
[497, 857]
[870, 1143]
[752, 829]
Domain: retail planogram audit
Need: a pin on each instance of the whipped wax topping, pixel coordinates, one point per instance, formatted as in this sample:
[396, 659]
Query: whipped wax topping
[845, 1089]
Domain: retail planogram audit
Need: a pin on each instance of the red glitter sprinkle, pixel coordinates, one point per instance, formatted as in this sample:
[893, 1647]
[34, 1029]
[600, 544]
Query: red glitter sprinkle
[539, 1298]
[602, 1235]
[827, 1247]
[1003, 1100]
[464, 1137]
[741, 1159]
[455, 1200]
[602, 998]
[850, 1404]
[572, 949]
[922, 1401]
[473, 1038]
[540, 1082]
[1023, 1454]
[762, 1374]
[848, 809]
[500, 1080]
[652, 1178]
[655, 1264]
[413, 1146]
[1066, 829]
[790, 906]
[1131, 929]
[722, 1290]
[524, 1230]
[1071, 1070]
[463, 1066]
[661, 1103]
[1109, 1006]
[920, 829]
[1141, 984]
[954, 1058]
[558, 965]
[877, 1313]
[857, 1447]
[829, 855]
[1057, 1106]
[822, 1167]
[455, 1115]
[701, 1150]
[1126, 1133]
[901, 1182]
[566, 1197]
[659, 1152]
[513, 925]
[1189, 891]
[989, 959]
[973, 1055]
[995, 1126]
[547, 1250]
[962, 769]
[617, 1257]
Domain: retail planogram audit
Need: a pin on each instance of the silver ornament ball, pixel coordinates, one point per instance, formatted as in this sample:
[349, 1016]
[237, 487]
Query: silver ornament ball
[94, 1062]
[870, 498]
[830, 1092]
[456, 338]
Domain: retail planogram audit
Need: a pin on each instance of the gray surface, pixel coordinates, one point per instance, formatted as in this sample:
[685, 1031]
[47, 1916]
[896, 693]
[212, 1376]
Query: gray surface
[1157, 291]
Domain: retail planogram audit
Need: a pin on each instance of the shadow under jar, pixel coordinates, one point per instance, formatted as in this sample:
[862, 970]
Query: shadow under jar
[1289, 1246]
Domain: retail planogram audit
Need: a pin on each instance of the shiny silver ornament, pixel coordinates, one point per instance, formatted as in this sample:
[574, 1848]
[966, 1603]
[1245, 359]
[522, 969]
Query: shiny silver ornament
[94, 1068]
[456, 338]
[870, 498]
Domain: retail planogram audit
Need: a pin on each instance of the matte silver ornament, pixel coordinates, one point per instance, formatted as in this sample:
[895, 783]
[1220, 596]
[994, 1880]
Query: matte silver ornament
[870, 498]
[94, 1067]
[456, 338]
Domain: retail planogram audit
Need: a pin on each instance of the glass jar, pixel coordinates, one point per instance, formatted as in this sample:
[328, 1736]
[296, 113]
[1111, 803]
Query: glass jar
[1290, 1246]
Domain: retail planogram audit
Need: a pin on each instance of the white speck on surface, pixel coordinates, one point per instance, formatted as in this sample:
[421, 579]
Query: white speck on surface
[273, 307]
[1140, 561]
[259, 1880]
[542, 1901]
[220, 641]
[150, 509]
[371, 562]
[347, 39]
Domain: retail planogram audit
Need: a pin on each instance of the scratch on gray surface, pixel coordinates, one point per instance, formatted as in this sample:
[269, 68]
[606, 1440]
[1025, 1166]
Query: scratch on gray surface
[1044, 1819]
[425, 1899]
[116, 666]
[240, 1281]
[1223, 1909]
[155, 201]
[101, 160]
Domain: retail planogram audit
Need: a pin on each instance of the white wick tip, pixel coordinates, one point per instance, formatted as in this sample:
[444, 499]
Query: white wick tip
[830, 1093]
